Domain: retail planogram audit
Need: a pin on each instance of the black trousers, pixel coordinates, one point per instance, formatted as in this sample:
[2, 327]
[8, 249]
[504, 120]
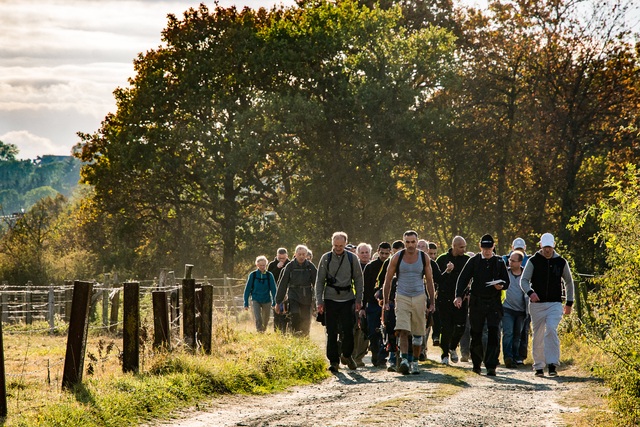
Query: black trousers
[452, 323]
[483, 311]
[339, 319]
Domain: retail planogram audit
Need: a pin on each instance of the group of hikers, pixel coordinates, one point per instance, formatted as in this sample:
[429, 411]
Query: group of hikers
[388, 302]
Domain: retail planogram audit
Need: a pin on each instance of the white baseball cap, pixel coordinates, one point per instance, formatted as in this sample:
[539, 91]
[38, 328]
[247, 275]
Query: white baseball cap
[518, 243]
[547, 239]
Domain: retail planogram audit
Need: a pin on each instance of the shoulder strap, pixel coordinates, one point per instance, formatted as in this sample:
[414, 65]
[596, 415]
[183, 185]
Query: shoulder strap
[400, 256]
[424, 263]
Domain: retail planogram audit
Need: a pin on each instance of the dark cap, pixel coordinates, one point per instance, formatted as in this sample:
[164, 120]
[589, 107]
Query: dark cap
[486, 241]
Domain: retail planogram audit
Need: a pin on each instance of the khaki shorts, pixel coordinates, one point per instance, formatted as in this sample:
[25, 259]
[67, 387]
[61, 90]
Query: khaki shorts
[411, 314]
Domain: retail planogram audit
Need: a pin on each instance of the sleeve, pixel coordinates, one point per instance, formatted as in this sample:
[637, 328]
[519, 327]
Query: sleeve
[272, 289]
[503, 274]
[465, 277]
[283, 284]
[525, 279]
[320, 276]
[247, 288]
[358, 280]
[437, 274]
[568, 284]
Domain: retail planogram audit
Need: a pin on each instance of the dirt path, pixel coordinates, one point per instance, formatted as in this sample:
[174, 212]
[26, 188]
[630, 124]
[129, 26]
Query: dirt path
[439, 396]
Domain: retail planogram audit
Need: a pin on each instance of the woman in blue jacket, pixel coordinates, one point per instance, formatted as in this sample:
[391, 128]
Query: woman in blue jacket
[261, 287]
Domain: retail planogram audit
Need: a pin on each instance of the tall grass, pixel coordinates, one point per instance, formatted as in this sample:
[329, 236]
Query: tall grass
[242, 362]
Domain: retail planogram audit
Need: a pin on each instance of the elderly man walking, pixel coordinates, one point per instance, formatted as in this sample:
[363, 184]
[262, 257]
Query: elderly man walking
[339, 287]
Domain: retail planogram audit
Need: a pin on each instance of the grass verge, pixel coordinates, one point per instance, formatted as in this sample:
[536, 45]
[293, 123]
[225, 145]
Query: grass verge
[242, 362]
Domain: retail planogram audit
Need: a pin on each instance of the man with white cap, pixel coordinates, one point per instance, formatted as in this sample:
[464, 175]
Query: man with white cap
[542, 279]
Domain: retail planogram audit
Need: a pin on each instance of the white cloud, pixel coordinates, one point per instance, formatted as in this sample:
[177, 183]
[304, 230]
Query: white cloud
[31, 146]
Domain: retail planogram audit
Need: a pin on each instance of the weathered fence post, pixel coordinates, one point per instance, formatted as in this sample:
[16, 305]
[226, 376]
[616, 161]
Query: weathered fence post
[189, 308]
[77, 338]
[115, 305]
[3, 380]
[68, 297]
[206, 316]
[161, 325]
[131, 328]
[27, 303]
[5, 302]
[51, 310]
[106, 287]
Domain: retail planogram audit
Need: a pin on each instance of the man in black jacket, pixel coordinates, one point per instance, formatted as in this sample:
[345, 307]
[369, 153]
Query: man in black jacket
[490, 277]
[275, 267]
[452, 319]
[372, 308]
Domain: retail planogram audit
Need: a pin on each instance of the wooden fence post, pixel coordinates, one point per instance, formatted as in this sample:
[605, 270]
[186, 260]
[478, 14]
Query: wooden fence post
[106, 287]
[175, 299]
[161, 325]
[77, 338]
[115, 305]
[131, 328]
[206, 317]
[51, 310]
[189, 308]
[3, 380]
[68, 297]
[27, 303]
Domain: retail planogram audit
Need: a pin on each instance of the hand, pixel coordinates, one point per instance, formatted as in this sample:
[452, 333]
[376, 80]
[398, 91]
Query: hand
[362, 313]
[358, 307]
[457, 302]
[498, 286]
[449, 267]
[276, 308]
[386, 306]
[534, 297]
[280, 264]
[320, 308]
[566, 310]
[432, 308]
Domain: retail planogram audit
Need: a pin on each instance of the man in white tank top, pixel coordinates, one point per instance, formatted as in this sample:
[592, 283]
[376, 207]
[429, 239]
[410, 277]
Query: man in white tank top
[412, 268]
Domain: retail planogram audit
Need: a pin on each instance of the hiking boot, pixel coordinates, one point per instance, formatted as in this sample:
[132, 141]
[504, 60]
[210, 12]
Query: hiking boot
[404, 367]
[414, 368]
[351, 363]
[509, 363]
[360, 364]
[445, 360]
[477, 370]
[539, 373]
[464, 358]
[391, 367]
[436, 342]
[334, 367]
[454, 355]
[552, 371]
[422, 357]
[491, 372]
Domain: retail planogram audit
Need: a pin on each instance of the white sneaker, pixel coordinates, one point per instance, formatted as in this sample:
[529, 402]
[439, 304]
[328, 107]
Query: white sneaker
[414, 368]
[445, 360]
[454, 356]
[404, 367]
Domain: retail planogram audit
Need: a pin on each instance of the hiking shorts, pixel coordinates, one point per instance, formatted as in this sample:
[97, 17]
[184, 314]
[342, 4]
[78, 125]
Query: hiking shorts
[411, 314]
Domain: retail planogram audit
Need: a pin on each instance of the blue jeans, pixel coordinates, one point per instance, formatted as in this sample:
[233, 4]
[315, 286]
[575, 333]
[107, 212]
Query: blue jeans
[512, 322]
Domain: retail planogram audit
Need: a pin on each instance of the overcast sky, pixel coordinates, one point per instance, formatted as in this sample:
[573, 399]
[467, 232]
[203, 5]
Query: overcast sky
[60, 61]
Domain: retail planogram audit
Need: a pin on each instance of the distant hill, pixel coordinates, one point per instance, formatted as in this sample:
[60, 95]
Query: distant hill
[24, 182]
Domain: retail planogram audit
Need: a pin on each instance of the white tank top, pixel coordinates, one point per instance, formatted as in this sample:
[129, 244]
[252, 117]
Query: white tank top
[410, 280]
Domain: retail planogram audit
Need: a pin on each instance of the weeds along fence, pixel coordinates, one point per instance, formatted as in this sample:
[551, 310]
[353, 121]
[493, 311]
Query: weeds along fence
[181, 310]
